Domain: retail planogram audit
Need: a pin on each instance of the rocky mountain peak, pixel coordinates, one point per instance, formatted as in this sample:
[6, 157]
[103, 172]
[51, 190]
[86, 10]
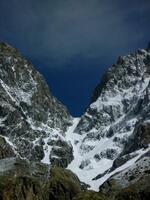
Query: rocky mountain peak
[31, 117]
[126, 66]
[109, 127]
[7, 49]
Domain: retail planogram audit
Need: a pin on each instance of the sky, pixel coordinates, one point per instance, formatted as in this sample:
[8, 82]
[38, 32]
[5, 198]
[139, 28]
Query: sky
[73, 42]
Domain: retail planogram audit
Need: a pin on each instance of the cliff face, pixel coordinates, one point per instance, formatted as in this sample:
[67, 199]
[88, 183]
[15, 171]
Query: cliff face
[32, 120]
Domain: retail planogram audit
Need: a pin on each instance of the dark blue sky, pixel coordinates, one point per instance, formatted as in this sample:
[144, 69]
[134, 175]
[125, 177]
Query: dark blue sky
[73, 42]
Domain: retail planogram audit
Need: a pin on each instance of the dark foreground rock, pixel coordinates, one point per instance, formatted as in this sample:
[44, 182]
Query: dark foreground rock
[140, 190]
[91, 195]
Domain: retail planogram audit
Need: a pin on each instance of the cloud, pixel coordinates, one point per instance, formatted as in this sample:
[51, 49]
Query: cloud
[60, 31]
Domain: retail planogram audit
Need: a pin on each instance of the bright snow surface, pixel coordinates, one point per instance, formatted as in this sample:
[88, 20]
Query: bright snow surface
[88, 173]
[94, 168]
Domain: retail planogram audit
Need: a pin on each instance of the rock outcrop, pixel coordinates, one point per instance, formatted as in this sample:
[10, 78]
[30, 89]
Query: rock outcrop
[6, 150]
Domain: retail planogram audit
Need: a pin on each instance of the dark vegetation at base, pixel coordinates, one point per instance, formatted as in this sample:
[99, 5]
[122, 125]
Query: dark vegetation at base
[34, 181]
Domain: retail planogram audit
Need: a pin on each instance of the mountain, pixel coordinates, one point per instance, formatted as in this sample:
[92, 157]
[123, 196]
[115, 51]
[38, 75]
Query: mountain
[114, 131]
[32, 120]
[107, 147]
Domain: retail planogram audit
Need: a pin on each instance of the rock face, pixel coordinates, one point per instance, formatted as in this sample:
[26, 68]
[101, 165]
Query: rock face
[130, 183]
[139, 139]
[6, 150]
[114, 130]
[31, 119]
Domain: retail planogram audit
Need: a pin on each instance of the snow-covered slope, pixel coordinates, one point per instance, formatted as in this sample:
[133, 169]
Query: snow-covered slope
[109, 129]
